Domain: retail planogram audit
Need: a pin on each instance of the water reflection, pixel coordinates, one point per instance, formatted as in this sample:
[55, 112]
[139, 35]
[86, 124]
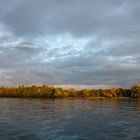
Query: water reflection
[69, 119]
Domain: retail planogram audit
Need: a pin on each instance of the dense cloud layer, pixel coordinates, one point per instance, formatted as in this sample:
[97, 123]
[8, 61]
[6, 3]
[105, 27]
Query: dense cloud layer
[84, 42]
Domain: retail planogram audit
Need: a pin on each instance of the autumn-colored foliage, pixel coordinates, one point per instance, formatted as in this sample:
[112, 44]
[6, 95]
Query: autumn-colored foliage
[45, 91]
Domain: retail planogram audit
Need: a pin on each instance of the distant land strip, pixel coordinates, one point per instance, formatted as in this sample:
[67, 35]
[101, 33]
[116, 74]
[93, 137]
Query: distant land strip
[46, 91]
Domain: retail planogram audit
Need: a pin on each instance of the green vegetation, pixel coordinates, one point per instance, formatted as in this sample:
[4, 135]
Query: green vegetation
[51, 92]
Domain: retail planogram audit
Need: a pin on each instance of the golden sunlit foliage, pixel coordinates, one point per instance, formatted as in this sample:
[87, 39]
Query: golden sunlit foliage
[45, 91]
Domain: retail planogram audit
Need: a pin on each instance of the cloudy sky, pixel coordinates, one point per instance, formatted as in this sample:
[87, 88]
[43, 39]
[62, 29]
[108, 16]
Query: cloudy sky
[78, 42]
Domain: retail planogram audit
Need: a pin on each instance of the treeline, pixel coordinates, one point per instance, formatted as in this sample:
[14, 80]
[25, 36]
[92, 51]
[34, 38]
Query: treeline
[51, 92]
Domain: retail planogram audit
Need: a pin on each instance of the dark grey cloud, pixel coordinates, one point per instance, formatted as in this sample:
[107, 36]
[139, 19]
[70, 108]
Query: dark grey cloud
[69, 42]
[78, 17]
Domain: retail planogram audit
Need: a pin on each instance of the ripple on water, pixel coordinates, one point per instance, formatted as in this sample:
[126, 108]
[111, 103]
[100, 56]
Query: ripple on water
[69, 119]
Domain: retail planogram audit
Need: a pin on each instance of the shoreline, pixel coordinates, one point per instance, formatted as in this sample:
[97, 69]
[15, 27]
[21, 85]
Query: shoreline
[45, 91]
[89, 98]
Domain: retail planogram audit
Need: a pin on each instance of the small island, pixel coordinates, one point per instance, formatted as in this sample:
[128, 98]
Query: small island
[45, 91]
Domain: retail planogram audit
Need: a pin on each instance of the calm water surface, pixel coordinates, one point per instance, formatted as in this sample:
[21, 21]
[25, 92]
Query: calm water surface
[69, 119]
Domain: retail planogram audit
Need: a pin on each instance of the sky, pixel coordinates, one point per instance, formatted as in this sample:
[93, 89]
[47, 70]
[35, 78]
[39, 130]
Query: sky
[70, 42]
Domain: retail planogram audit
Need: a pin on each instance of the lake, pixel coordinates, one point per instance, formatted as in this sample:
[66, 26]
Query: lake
[69, 119]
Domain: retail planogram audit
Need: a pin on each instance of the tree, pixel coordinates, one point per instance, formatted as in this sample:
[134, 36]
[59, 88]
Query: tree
[135, 91]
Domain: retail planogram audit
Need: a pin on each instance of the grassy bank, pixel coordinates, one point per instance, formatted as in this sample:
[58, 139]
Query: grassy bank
[51, 92]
